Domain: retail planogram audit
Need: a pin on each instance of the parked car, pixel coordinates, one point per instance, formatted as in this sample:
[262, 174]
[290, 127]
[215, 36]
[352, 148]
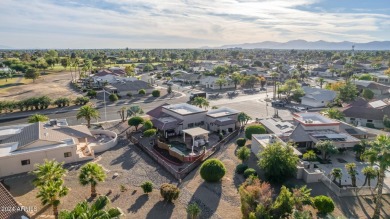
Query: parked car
[278, 103]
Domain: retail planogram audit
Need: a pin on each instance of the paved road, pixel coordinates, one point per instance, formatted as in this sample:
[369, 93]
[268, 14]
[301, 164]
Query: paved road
[254, 105]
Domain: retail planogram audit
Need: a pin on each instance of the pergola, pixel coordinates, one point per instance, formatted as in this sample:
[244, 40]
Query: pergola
[194, 132]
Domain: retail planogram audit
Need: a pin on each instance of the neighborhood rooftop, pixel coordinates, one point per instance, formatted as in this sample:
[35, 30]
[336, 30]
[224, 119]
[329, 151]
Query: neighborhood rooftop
[183, 108]
[313, 118]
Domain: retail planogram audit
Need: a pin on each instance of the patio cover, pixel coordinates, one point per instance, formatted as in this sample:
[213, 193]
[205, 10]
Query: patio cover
[196, 131]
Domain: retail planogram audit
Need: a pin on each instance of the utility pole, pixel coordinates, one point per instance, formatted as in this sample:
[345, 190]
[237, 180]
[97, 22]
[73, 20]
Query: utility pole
[105, 108]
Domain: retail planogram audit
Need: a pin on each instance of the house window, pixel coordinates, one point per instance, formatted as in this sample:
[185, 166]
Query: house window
[25, 162]
[352, 119]
[369, 120]
[67, 154]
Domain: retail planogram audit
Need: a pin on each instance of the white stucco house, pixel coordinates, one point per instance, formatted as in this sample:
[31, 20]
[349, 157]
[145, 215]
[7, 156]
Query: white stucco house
[210, 82]
[317, 97]
[23, 146]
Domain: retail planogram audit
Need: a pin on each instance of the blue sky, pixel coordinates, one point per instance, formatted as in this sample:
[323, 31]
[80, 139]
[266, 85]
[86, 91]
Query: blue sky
[187, 23]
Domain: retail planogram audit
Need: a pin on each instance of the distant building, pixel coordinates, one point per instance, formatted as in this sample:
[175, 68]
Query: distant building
[362, 112]
[377, 88]
[210, 82]
[313, 127]
[316, 97]
[124, 87]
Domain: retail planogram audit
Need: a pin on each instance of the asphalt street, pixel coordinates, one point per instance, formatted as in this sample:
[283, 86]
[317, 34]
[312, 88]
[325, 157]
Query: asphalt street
[252, 104]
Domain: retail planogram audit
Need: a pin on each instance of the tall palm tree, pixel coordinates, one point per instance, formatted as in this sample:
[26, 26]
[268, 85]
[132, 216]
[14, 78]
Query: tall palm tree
[236, 78]
[370, 173]
[334, 114]
[321, 81]
[88, 113]
[337, 174]
[379, 153]
[92, 173]
[201, 102]
[96, 210]
[49, 171]
[37, 118]
[50, 192]
[301, 196]
[351, 169]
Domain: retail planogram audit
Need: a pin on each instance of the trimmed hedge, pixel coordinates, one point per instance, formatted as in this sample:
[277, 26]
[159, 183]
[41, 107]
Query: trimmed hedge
[142, 92]
[249, 172]
[324, 204]
[241, 142]
[240, 168]
[212, 170]
[169, 192]
[156, 93]
[254, 129]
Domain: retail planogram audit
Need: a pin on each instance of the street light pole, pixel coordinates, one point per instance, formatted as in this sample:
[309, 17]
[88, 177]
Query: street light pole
[105, 109]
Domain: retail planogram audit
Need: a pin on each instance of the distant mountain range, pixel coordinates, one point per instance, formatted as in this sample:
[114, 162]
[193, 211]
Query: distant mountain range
[306, 45]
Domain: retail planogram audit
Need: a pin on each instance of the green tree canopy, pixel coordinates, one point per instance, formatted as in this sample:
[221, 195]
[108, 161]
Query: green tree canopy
[136, 121]
[91, 173]
[254, 129]
[278, 162]
[37, 118]
[87, 112]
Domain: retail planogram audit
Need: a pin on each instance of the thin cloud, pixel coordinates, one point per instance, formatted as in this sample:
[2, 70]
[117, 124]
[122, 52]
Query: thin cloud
[179, 23]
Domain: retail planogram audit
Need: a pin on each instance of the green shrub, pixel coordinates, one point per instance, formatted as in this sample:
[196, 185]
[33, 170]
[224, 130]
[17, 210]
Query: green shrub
[129, 94]
[324, 204]
[147, 187]
[156, 93]
[148, 125]
[91, 93]
[113, 97]
[212, 170]
[243, 153]
[249, 172]
[241, 142]
[193, 210]
[240, 168]
[150, 133]
[169, 192]
[81, 100]
[254, 129]
[142, 92]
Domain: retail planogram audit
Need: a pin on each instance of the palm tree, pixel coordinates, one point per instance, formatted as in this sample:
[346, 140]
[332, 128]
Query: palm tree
[91, 173]
[379, 153]
[236, 78]
[334, 114]
[200, 102]
[321, 81]
[351, 169]
[96, 210]
[301, 197]
[370, 173]
[337, 174]
[243, 118]
[50, 192]
[37, 118]
[49, 171]
[88, 113]
[220, 82]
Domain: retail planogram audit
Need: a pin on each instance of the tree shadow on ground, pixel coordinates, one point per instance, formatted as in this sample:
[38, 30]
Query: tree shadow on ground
[161, 210]
[39, 213]
[127, 159]
[141, 200]
[207, 196]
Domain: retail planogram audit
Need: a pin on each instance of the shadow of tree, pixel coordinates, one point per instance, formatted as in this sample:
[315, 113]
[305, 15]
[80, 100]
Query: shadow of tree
[141, 200]
[127, 159]
[40, 212]
[161, 210]
[207, 196]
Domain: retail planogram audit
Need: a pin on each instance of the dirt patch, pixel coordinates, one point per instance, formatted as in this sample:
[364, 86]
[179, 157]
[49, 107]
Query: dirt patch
[54, 85]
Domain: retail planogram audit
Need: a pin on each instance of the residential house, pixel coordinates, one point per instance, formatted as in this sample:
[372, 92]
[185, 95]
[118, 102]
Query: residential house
[280, 128]
[383, 79]
[314, 127]
[377, 88]
[172, 119]
[222, 120]
[316, 97]
[367, 113]
[23, 146]
[261, 141]
[210, 82]
[124, 87]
